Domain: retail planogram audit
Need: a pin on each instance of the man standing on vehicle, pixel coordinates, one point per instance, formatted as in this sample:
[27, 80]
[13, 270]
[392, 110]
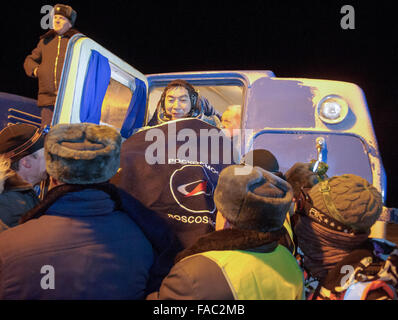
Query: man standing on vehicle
[47, 59]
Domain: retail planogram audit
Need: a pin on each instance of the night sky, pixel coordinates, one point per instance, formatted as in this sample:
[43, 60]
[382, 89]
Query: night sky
[293, 39]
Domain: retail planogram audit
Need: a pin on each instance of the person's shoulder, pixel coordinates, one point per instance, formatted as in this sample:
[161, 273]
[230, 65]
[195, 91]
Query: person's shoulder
[71, 32]
[48, 35]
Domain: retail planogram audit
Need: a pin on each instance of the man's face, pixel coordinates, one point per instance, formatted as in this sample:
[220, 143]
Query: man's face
[37, 170]
[231, 120]
[177, 103]
[61, 24]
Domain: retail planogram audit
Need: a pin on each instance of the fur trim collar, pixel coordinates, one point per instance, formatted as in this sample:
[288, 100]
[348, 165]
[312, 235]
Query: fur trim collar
[234, 239]
[51, 33]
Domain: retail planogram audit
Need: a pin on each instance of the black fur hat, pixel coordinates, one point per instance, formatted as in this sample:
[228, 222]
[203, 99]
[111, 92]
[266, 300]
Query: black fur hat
[82, 153]
[257, 201]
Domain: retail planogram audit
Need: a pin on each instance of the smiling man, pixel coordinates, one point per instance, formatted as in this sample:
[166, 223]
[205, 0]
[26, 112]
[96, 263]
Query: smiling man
[180, 100]
[47, 59]
[178, 103]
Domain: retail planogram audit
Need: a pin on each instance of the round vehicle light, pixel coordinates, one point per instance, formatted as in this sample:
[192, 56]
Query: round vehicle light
[332, 109]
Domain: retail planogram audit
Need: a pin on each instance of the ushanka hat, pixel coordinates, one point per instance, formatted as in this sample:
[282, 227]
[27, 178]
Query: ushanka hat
[66, 11]
[256, 201]
[349, 199]
[20, 140]
[264, 159]
[300, 176]
[82, 153]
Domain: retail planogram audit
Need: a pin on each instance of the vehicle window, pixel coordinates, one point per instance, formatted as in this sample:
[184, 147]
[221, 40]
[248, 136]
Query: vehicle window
[117, 98]
[220, 96]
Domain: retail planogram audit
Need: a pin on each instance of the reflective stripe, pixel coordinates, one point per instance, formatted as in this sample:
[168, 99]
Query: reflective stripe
[288, 225]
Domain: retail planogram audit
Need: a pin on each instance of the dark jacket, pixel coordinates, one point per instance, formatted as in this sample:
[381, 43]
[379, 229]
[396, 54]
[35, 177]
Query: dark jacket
[234, 264]
[48, 56]
[16, 199]
[96, 251]
[173, 186]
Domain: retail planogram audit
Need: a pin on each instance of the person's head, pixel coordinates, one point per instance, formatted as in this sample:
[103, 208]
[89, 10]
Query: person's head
[256, 201]
[231, 119]
[82, 153]
[264, 159]
[348, 203]
[64, 18]
[23, 145]
[179, 100]
[300, 176]
[335, 217]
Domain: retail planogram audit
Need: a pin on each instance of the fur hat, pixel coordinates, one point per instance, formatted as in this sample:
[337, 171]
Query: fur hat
[66, 11]
[261, 158]
[82, 153]
[20, 140]
[349, 199]
[256, 201]
[264, 159]
[301, 176]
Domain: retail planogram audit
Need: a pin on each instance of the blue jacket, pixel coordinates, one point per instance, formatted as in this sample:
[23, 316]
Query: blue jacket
[93, 251]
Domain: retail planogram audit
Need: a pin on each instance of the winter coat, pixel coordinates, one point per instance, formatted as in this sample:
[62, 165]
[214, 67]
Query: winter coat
[234, 264]
[82, 247]
[178, 188]
[48, 56]
[17, 198]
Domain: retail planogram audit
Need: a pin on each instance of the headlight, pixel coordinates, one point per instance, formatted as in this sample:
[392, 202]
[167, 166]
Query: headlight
[332, 109]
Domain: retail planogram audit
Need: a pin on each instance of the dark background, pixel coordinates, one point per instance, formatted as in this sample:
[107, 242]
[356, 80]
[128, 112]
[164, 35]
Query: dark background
[293, 39]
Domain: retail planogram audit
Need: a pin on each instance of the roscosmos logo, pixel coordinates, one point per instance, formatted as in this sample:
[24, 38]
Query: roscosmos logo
[192, 188]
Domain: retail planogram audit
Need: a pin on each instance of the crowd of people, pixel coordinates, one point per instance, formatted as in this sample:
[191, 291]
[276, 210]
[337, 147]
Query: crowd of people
[98, 233]
[292, 235]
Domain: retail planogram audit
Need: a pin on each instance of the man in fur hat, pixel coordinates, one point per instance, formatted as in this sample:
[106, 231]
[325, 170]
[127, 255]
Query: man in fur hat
[241, 259]
[22, 166]
[78, 243]
[47, 59]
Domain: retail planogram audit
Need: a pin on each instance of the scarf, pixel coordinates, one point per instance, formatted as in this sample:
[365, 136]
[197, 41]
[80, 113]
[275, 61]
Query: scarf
[323, 248]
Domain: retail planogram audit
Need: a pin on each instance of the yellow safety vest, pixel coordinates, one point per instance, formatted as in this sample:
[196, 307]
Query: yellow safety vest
[260, 276]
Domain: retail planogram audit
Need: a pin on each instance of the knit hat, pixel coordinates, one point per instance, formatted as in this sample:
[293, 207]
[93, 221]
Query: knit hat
[82, 153]
[349, 199]
[256, 201]
[66, 11]
[19, 140]
[301, 176]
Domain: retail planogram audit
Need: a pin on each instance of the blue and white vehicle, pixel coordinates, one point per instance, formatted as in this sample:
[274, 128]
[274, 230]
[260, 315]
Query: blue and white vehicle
[297, 119]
